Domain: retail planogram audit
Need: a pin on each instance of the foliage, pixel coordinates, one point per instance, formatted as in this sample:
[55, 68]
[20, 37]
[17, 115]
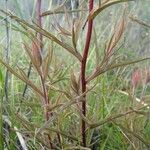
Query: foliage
[74, 98]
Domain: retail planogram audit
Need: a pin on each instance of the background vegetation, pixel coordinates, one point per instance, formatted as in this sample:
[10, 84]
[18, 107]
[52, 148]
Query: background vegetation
[48, 115]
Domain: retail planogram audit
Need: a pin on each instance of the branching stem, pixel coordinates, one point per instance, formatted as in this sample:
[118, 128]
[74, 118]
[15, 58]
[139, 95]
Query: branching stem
[83, 71]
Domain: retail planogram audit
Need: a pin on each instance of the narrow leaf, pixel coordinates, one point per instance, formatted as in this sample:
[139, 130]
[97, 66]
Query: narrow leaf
[113, 66]
[46, 34]
[10, 69]
[96, 12]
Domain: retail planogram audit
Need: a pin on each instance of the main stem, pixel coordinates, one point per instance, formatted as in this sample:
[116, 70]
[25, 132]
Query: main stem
[83, 71]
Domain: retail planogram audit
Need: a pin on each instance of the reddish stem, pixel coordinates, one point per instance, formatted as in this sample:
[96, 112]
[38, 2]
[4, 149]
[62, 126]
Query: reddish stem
[46, 98]
[83, 71]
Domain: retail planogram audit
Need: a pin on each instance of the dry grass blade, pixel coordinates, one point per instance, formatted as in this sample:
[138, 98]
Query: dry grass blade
[102, 7]
[139, 137]
[21, 139]
[112, 118]
[128, 139]
[19, 135]
[137, 99]
[50, 12]
[139, 21]
[63, 31]
[26, 80]
[55, 10]
[46, 34]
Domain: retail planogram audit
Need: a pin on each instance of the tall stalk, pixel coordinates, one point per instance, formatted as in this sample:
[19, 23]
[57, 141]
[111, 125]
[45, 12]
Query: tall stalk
[83, 70]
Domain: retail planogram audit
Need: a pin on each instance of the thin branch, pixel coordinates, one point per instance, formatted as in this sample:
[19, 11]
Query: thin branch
[51, 12]
[139, 137]
[112, 118]
[47, 34]
[139, 22]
